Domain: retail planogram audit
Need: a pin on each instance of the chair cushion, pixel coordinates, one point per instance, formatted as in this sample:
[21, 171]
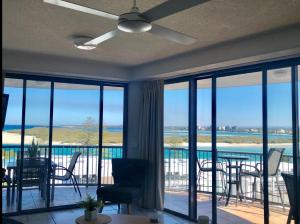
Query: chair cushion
[118, 194]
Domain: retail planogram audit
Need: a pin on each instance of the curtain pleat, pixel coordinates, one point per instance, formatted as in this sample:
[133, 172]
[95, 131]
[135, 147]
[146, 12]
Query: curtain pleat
[150, 143]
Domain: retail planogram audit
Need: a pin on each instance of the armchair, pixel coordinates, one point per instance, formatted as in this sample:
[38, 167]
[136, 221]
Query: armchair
[128, 177]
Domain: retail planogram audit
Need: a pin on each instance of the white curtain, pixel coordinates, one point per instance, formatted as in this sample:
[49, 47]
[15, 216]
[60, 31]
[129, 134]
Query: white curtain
[150, 143]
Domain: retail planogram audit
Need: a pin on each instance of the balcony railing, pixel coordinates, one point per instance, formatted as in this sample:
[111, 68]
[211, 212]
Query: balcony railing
[86, 169]
[176, 173]
[176, 166]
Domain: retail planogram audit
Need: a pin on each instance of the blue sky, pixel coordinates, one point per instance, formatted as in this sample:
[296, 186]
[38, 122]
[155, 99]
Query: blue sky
[240, 106]
[71, 107]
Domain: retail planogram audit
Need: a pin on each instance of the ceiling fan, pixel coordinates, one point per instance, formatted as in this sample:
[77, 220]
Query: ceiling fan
[136, 22]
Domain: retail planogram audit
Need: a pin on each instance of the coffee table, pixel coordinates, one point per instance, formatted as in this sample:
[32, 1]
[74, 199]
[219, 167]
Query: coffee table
[101, 219]
[115, 219]
[129, 219]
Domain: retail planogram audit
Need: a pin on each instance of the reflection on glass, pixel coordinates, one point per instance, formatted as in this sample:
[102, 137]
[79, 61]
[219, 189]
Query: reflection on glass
[75, 129]
[11, 139]
[239, 147]
[280, 141]
[112, 140]
[204, 148]
[176, 147]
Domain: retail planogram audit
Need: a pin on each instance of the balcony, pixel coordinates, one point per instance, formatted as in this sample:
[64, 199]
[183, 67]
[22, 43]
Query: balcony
[176, 181]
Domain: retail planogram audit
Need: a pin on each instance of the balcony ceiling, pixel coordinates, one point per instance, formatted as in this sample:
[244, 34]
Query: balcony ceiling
[35, 27]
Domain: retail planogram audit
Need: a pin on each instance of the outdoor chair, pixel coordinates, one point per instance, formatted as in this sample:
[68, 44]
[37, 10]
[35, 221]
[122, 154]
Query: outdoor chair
[205, 166]
[69, 172]
[289, 184]
[6, 179]
[128, 177]
[274, 158]
[34, 170]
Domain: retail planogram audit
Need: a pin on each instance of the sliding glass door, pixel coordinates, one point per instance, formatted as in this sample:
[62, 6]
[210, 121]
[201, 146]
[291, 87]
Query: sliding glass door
[239, 147]
[11, 140]
[75, 130]
[176, 113]
[204, 148]
[112, 134]
[280, 141]
[34, 173]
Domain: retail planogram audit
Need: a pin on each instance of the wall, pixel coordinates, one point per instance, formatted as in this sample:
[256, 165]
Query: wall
[134, 98]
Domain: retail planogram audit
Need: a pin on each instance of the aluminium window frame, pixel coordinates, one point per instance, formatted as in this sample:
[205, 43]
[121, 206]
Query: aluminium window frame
[262, 67]
[25, 76]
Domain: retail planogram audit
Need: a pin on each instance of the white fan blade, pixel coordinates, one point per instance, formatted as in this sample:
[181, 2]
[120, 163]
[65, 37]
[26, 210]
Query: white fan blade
[172, 35]
[103, 38]
[82, 9]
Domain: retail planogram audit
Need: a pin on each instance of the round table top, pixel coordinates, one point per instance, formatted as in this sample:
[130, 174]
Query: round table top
[101, 219]
[115, 219]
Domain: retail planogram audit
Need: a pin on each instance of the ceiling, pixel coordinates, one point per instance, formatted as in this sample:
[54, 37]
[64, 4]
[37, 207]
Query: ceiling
[35, 27]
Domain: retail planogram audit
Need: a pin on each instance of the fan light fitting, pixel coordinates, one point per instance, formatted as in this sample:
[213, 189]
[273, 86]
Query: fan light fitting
[133, 22]
[79, 42]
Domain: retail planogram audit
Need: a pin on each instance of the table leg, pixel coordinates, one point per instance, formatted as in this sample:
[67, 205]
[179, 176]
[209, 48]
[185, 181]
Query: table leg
[229, 182]
[8, 187]
[53, 183]
[237, 183]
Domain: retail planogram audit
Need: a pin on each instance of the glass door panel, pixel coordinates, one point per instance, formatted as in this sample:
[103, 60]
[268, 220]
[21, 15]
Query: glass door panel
[11, 140]
[280, 141]
[176, 154]
[204, 148]
[75, 130]
[239, 148]
[36, 141]
[112, 136]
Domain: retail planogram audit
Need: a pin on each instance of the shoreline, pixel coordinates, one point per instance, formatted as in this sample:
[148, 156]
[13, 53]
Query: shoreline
[15, 138]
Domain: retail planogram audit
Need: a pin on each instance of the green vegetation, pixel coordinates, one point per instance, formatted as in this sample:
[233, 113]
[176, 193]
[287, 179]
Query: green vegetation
[73, 135]
[175, 141]
[89, 136]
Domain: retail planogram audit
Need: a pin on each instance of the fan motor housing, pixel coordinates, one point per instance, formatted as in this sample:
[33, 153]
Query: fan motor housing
[133, 22]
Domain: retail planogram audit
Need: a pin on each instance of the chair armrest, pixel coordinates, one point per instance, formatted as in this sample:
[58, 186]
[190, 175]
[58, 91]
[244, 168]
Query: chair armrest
[204, 162]
[62, 168]
[250, 166]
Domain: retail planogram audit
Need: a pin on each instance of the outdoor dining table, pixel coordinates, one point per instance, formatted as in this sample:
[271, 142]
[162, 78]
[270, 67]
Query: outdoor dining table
[237, 166]
[13, 166]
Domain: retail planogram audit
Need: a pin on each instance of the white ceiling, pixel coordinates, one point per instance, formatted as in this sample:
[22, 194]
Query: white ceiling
[34, 27]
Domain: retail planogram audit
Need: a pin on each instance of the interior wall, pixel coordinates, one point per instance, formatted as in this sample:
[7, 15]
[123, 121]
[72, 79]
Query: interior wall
[19, 61]
[134, 99]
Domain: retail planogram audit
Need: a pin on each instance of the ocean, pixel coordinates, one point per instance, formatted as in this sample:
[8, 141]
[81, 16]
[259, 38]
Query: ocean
[169, 132]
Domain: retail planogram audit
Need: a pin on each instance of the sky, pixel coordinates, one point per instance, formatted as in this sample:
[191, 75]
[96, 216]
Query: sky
[236, 106]
[71, 107]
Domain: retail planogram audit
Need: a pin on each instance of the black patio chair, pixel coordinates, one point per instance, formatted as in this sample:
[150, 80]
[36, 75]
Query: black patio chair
[128, 177]
[289, 184]
[274, 158]
[205, 166]
[6, 179]
[69, 175]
